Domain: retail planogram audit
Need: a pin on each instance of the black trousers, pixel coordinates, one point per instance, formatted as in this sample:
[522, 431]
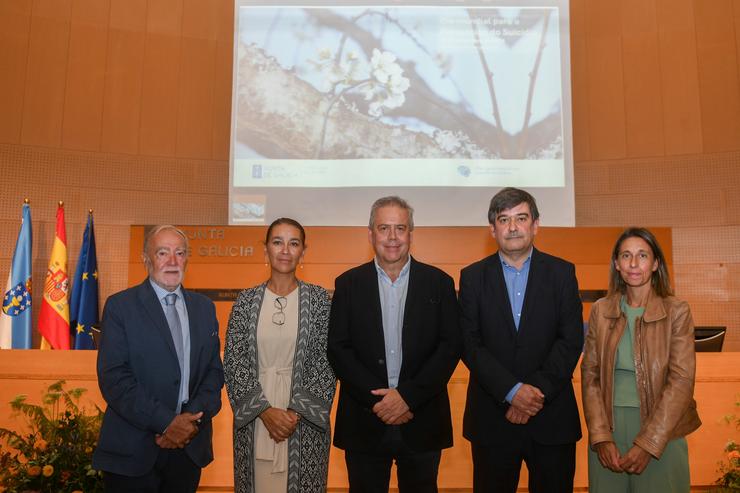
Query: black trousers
[551, 467]
[371, 472]
[173, 472]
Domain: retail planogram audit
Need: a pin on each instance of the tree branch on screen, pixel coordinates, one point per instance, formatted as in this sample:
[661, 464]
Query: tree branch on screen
[532, 81]
[428, 106]
[542, 137]
[286, 115]
[489, 78]
[377, 105]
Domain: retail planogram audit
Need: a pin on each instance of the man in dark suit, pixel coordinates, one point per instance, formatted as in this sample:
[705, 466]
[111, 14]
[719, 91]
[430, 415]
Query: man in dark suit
[523, 334]
[393, 343]
[160, 372]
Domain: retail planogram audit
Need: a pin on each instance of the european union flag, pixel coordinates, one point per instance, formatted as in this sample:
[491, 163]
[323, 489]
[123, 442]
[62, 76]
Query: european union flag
[15, 319]
[84, 303]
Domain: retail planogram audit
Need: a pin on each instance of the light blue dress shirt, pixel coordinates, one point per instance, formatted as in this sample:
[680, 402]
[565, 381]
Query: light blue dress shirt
[392, 305]
[182, 312]
[516, 287]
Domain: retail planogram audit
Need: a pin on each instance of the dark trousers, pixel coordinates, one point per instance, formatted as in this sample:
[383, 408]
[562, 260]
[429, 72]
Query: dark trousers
[173, 472]
[551, 467]
[371, 472]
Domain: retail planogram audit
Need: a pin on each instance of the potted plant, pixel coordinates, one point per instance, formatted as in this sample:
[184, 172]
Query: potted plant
[730, 467]
[55, 454]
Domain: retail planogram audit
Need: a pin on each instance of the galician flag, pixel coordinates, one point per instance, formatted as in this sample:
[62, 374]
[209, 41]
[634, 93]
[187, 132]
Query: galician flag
[84, 303]
[15, 319]
[54, 315]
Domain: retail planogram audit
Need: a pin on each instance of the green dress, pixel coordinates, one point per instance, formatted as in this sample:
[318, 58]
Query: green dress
[669, 474]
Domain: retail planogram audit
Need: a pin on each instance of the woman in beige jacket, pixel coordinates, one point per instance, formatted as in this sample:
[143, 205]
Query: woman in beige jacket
[638, 375]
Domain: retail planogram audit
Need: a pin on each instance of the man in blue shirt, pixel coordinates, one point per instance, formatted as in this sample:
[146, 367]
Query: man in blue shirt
[393, 343]
[523, 334]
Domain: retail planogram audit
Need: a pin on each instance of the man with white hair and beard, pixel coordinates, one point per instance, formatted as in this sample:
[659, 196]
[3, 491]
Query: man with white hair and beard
[522, 330]
[160, 372]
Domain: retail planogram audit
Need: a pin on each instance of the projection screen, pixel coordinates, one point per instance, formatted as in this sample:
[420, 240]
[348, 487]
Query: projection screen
[335, 105]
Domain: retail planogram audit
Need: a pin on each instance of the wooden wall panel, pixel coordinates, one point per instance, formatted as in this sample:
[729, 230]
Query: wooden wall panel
[679, 77]
[104, 171]
[642, 76]
[736, 12]
[123, 77]
[197, 79]
[708, 245]
[195, 106]
[714, 282]
[684, 175]
[579, 80]
[43, 106]
[15, 26]
[161, 75]
[716, 48]
[164, 17]
[223, 80]
[606, 120]
[616, 107]
[83, 99]
[591, 178]
[128, 15]
[732, 202]
[200, 19]
[115, 205]
[159, 98]
[630, 208]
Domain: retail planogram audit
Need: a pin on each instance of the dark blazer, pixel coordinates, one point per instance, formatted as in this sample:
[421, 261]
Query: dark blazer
[543, 352]
[431, 346]
[139, 377]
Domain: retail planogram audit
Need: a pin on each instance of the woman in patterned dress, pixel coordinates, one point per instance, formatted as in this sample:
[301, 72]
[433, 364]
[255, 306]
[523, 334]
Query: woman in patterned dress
[278, 378]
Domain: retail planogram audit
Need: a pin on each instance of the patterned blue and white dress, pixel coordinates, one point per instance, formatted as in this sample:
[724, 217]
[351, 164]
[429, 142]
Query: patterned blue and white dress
[312, 389]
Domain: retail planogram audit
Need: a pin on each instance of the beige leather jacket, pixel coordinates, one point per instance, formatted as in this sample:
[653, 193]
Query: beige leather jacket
[665, 365]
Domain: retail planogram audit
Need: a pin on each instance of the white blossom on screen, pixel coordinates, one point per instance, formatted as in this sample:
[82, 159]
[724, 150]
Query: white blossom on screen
[384, 65]
[447, 140]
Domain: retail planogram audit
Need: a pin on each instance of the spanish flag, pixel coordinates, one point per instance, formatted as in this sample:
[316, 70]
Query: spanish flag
[54, 315]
